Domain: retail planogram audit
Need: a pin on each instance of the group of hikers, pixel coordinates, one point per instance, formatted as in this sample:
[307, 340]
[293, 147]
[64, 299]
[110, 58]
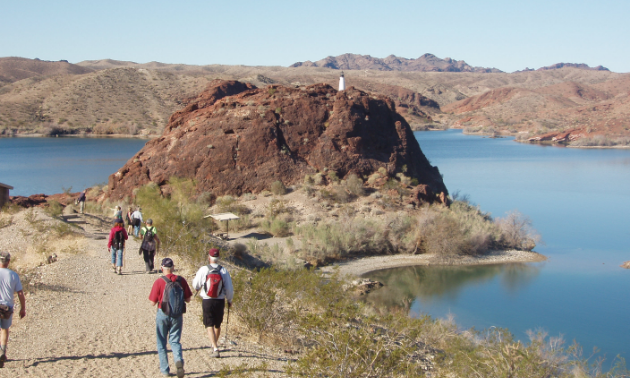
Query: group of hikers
[117, 235]
[169, 292]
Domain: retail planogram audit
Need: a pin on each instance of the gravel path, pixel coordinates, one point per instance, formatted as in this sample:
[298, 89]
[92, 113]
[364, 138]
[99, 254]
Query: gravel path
[86, 321]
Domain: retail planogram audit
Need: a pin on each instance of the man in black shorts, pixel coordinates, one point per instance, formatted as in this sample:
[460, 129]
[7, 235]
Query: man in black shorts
[215, 285]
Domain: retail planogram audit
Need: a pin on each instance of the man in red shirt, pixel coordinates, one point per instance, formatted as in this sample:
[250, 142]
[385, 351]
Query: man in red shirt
[169, 326]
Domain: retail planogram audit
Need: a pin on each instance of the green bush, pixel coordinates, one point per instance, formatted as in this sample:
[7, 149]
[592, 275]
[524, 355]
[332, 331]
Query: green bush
[276, 227]
[278, 188]
[179, 220]
[54, 209]
[355, 185]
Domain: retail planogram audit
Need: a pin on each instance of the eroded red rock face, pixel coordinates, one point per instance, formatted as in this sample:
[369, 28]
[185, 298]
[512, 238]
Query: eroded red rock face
[235, 138]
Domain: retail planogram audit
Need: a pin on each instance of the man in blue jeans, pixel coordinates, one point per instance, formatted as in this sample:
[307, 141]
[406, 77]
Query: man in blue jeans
[167, 326]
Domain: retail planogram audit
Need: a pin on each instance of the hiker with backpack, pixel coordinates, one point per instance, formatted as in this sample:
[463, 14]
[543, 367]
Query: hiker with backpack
[116, 244]
[136, 219]
[150, 245]
[215, 285]
[170, 293]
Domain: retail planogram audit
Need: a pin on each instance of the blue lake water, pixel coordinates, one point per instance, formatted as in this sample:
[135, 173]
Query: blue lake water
[578, 200]
[47, 165]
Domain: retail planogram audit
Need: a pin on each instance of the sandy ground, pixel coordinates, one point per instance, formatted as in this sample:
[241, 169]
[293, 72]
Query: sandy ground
[85, 321]
[371, 264]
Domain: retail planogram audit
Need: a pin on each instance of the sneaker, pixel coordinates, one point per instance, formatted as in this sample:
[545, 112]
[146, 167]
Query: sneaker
[180, 369]
[3, 358]
[215, 354]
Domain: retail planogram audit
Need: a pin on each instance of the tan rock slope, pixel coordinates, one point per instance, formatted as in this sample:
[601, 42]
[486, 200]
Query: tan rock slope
[235, 138]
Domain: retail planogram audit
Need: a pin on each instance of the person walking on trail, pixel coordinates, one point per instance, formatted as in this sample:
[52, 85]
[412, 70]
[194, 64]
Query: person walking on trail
[117, 212]
[81, 201]
[9, 285]
[150, 245]
[136, 218]
[216, 287]
[170, 293]
[116, 244]
[129, 221]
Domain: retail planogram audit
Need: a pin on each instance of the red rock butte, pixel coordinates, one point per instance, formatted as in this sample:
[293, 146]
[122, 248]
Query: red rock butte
[234, 138]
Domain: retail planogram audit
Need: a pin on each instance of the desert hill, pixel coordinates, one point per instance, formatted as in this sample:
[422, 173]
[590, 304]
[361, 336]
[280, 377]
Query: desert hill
[13, 69]
[425, 63]
[589, 111]
[118, 97]
[235, 138]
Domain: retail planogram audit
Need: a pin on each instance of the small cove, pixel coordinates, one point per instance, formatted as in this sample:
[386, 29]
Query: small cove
[577, 199]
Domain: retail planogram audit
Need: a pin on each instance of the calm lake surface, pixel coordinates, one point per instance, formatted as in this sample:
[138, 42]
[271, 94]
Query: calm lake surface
[47, 165]
[578, 200]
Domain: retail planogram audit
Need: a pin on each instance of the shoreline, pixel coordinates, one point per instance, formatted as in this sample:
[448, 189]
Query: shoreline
[94, 136]
[363, 266]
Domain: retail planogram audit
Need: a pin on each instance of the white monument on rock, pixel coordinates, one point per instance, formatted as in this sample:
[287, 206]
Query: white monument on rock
[342, 82]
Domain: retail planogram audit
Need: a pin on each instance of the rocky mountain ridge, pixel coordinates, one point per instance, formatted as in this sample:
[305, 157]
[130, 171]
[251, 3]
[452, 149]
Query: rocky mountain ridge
[425, 63]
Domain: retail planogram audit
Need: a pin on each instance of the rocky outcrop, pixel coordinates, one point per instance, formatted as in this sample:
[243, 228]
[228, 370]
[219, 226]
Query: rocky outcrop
[425, 63]
[235, 138]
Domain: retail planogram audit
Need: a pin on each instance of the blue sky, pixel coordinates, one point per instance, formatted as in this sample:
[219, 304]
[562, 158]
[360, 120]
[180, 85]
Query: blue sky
[507, 35]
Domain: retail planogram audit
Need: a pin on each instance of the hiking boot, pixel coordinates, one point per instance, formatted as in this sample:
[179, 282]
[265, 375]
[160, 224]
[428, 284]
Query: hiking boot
[180, 369]
[215, 354]
[3, 358]
[120, 272]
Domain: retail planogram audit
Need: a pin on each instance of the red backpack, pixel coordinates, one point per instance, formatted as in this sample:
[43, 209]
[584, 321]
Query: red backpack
[214, 282]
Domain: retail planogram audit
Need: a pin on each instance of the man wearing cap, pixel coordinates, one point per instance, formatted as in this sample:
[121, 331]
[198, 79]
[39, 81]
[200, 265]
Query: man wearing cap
[150, 245]
[9, 284]
[214, 307]
[167, 326]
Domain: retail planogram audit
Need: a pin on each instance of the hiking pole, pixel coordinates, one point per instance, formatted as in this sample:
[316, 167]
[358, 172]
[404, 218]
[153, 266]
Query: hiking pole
[227, 324]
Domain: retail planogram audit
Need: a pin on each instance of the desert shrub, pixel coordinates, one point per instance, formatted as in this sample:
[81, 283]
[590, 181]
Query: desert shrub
[54, 209]
[318, 178]
[206, 199]
[278, 188]
[276, 227]
[517, 231]
[355, 185]
[336, 240]
[332, 176]
[340, 194]
[179, 219]
[309, 190]
[308, 180]
[229, 204]
[373, 177]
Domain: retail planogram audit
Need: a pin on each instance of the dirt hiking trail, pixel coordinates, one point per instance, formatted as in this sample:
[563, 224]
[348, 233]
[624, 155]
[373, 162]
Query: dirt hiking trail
[86, 321]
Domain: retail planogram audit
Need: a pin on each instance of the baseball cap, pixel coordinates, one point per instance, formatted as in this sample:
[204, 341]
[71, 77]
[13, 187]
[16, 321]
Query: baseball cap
[5, 256]
[149, 221]
[167, 262]
[213, 252]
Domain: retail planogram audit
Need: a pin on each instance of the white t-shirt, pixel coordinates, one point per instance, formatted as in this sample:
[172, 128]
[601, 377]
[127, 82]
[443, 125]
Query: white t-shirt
[9, 284]
[200, 278]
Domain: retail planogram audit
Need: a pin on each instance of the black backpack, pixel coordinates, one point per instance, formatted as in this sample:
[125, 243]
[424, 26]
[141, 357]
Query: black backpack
[118, 242]
[173, 303]
[148, 235]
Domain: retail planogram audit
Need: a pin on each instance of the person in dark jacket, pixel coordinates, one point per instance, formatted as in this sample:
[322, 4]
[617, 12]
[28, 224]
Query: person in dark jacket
[81, 201]
[116, 244]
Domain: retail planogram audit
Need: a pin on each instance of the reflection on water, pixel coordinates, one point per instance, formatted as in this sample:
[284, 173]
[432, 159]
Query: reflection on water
[430, 283]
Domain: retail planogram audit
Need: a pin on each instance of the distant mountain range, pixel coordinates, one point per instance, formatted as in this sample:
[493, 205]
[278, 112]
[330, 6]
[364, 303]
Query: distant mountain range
[425, 63]
[121, 97]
